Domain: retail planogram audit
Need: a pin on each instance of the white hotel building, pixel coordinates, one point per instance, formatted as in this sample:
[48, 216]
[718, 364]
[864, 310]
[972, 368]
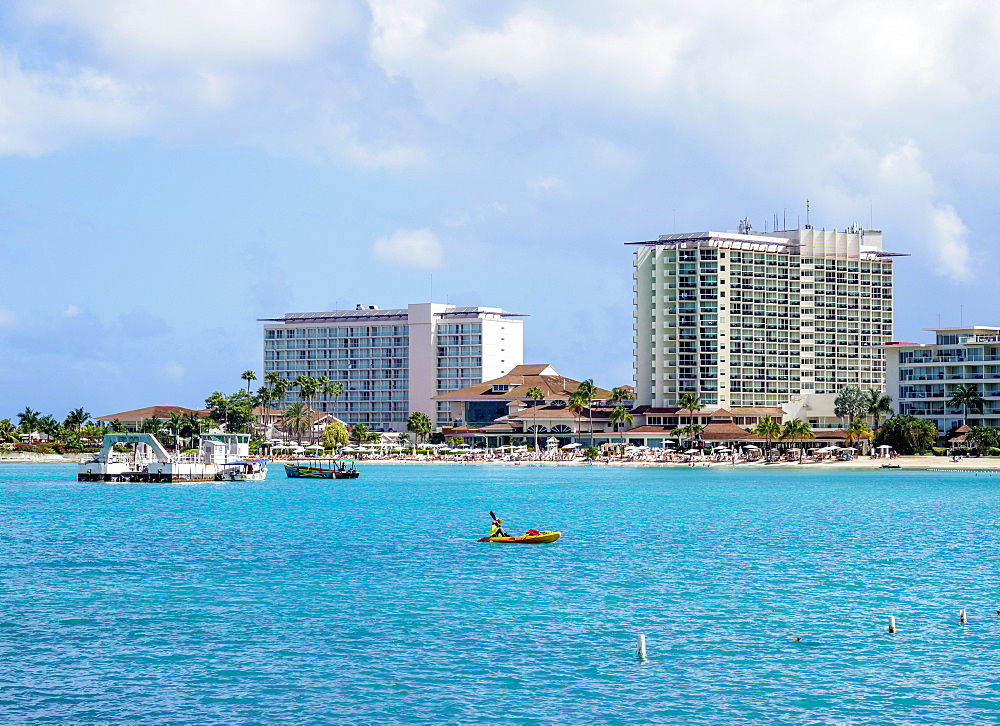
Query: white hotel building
[393, 362]
[921, 378]
[761, 319]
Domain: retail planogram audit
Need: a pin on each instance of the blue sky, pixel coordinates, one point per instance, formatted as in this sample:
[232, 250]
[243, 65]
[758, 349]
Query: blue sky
[170, 172]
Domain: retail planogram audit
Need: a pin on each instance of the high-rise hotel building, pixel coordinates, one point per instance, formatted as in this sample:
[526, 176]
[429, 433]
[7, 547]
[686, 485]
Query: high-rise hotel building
[758, 319]
[392, 362]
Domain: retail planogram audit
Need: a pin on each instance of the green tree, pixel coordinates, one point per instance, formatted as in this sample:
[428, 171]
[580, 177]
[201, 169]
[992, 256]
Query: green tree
[454, 441]
[335, 389]
[8, 432]
[535, 394]
[235, 412]
[117, 426]
[688, 433]
[591, 452]
[49, 426]
[308, 388]
[335, 435]
[799, 431]
[248, 376]
[577, 404]
[76, 418]
[859, 431]
[27, 421]
[906, 434]
[297, 419]
[419, 424]
[176, 423]
[850, 403]
[768, 428]
[967, 397]
[586, 392]
[193, 426]
[620, 415]
[620, 394]
[360, 433]
[876, 404]
[983, 438]
[689, 402]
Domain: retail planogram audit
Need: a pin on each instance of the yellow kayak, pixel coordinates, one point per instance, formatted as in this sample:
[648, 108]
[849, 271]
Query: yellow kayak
[540, 538]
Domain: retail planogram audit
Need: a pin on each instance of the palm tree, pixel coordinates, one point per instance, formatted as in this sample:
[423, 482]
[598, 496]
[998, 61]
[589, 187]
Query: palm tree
[48, 426]
[688, 432]
[768, 428]
[335, 389]
[27, 421]
[690, 402]
[308, 387]
[360, 433]
[193, 426]
[176, 423]
[419, 424]
[298, 419]
[859, 431]
[8, 432]
[798, 430]
[620, 394]
[248, 376]
[587, 390]
[620, 415]
[577, 404]
[877, 403]
[76, 418]
[967, 396]
[535, 394]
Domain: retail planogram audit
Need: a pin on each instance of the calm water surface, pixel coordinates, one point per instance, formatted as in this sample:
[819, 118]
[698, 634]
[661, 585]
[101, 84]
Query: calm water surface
[368, 601]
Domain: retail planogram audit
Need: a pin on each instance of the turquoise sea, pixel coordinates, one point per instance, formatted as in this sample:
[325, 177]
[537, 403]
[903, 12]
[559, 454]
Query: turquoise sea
[369, 601]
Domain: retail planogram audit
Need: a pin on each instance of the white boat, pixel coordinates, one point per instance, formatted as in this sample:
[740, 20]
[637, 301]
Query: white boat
[141, 457]
[246, 470]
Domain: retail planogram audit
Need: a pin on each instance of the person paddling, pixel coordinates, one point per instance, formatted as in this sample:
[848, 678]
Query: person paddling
[496, 527]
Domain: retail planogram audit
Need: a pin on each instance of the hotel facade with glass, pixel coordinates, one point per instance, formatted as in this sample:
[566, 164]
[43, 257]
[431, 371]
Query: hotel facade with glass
[761, 319]
[392, 362]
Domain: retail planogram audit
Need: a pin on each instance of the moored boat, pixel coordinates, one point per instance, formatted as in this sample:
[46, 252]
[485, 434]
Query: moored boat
[247, 470]
[321, 469]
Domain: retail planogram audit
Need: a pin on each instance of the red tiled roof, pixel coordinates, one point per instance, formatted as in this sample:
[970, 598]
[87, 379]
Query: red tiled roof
[161, 412]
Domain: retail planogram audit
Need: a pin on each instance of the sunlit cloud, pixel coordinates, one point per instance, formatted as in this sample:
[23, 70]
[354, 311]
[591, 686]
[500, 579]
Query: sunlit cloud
[416, 248]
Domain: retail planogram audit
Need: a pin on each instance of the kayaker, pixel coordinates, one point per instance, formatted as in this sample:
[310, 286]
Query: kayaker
[496, 529]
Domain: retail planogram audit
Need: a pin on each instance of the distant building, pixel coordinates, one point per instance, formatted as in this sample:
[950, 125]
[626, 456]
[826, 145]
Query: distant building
[132, 420]
[501, 407]
[761, 319]
[393, 362]
[922, 377]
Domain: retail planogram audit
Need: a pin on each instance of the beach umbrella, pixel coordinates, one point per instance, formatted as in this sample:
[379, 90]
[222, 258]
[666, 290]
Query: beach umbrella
[751, 446]
[722, 450]
[693, 451]
[298, 449]
[571, 446]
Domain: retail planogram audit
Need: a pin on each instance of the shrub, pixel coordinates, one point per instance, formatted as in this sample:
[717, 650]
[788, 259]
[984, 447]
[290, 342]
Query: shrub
[993, 451]
[939, 451]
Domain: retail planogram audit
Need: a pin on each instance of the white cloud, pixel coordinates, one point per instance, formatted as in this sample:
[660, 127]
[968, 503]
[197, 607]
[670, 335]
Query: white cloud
[198, 33]
[8, 318]
[71, 311]
[416, 248]
[41, 111]
[543, 183]
[950, 245]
